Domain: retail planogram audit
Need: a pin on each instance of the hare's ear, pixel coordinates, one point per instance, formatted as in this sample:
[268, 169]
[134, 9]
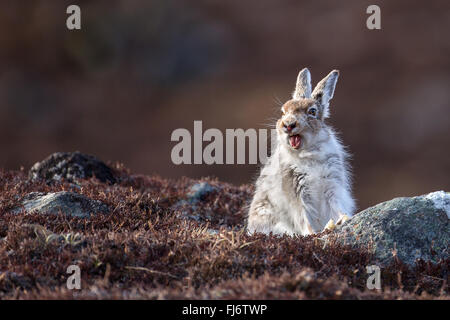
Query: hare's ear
[324, 91]
[303, 86]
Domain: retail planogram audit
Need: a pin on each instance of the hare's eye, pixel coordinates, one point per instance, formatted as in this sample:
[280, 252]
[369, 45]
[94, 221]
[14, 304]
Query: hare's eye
[312, 111]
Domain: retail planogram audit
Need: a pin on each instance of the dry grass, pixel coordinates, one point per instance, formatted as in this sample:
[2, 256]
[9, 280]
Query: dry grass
[146, 248]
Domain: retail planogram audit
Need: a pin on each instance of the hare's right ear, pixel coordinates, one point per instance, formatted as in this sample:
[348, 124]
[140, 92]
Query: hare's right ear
[303, 86]
[324, 91]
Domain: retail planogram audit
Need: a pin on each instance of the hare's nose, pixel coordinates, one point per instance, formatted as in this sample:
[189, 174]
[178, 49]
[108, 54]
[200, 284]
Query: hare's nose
[289, 127]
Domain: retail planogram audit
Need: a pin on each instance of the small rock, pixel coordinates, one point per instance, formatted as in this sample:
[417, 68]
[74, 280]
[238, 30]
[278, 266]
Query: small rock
[412, 228]
[188, 207]
[199, 191]
[212, 232]
[69, 203]
[71, 166]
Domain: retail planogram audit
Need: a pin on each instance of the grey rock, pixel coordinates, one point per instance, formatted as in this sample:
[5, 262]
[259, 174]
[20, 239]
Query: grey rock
[69, 203]
[188, 208]
[71, 166]
[212, 232]
[410, 228]
[199, 191]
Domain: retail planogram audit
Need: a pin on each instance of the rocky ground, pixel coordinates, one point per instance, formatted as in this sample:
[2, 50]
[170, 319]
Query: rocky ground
[137, 236]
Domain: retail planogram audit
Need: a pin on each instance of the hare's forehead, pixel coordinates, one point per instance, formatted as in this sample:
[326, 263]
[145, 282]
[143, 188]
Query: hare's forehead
[297, 105]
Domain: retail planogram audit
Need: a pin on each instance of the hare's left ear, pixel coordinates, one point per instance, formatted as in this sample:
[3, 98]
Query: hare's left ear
[303, 86]
[324, 91]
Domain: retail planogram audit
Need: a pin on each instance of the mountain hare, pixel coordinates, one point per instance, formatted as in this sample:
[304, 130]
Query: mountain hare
[305, 184]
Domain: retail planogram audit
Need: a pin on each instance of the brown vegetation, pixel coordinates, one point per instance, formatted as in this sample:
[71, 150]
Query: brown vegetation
[150, 247]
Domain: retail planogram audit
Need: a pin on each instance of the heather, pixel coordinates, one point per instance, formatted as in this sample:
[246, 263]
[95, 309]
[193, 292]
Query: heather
[161, 241]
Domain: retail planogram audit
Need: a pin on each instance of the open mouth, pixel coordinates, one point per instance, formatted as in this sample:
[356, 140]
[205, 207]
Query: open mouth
[295, 141]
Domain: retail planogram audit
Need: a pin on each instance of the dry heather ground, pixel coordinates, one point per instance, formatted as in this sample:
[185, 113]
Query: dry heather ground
[146, 247]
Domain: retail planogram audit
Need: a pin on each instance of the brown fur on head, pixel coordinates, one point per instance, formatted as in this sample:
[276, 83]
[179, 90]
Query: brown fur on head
[304, 114]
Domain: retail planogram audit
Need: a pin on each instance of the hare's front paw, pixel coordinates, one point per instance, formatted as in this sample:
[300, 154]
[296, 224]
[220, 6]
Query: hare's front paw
[330, 225]
[342, 219]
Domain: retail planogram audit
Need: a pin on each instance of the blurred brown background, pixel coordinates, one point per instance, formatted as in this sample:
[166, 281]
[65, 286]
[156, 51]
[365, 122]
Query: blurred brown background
[140, 69]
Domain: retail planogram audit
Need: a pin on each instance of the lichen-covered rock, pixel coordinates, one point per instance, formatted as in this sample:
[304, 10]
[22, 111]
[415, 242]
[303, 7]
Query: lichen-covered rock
[410, 228]
[69, 203]
[71, 166]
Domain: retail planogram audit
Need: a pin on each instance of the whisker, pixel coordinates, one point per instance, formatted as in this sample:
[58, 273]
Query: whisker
[277, 101]
[270, 122]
